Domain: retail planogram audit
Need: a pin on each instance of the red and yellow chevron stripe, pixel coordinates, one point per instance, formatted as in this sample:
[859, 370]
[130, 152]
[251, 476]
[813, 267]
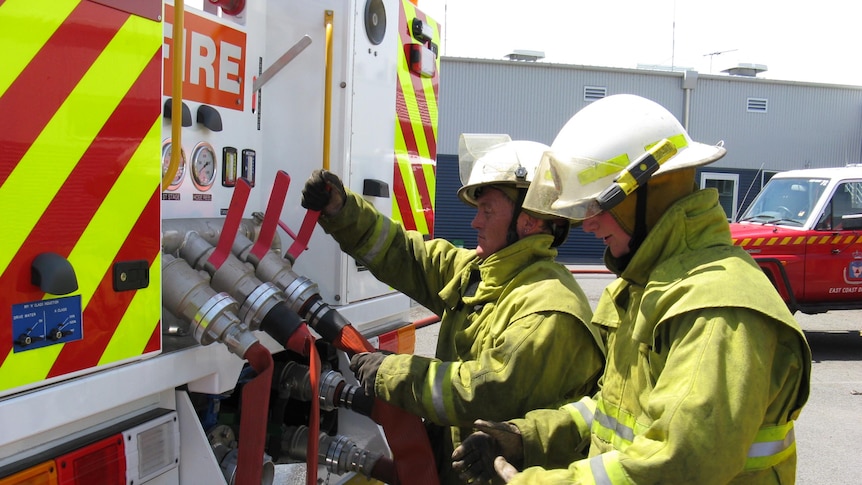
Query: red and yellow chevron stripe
[798, 240]
[415, 133]
[80, 93]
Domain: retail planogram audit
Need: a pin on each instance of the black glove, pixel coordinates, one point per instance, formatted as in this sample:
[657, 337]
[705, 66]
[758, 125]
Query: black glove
[474, 458]
[365, 365]
[323, 192]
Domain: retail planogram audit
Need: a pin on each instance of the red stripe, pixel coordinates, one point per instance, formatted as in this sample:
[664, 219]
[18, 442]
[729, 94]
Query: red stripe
[410, 142]
[63, 222]
[431, 140]
[407, 129]
[33, 99]
[422, 103]
[400, 192]
[107, 307]
[424, 196]
[155, 342]
[404, 120]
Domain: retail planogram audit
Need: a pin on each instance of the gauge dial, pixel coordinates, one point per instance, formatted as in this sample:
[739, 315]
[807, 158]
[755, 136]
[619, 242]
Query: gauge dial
[203, 166]
[166, 162]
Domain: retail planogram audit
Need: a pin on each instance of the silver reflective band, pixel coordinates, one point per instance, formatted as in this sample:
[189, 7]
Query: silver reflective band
[585, 412]
[620, 429]
[437, 392]
[599, 472]
[381, 240]
[768, 448]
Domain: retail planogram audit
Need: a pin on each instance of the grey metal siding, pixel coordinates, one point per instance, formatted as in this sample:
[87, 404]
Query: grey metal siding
[452, 217]
[805, 124]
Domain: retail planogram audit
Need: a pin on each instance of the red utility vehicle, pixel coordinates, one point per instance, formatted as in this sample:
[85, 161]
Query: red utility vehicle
[805, 230]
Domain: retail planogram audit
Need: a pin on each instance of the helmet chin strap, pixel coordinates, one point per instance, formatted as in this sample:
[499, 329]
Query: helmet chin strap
[640, 231]
[512, 233]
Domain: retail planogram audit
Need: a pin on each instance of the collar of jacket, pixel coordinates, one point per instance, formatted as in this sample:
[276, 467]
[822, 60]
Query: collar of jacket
[694, 222]
[498, 269]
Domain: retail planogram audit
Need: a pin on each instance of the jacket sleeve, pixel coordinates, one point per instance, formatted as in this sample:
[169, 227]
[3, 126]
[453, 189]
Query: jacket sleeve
[502, 381]
[723, 368]
[397, 257]
[554, 438]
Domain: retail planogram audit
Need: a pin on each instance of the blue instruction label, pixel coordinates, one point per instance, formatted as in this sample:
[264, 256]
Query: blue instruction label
[42, 323]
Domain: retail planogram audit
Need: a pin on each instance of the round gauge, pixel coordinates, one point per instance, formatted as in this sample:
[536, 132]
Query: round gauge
[203, 166]
[166, 162]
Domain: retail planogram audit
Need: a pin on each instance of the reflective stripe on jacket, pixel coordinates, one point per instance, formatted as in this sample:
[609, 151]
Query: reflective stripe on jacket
[706, 368]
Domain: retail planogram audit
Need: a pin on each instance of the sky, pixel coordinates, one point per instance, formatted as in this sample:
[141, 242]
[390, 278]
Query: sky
[813, 41]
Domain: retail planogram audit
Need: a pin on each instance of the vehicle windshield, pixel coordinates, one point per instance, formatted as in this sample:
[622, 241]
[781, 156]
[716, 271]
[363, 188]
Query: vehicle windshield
[786, 201]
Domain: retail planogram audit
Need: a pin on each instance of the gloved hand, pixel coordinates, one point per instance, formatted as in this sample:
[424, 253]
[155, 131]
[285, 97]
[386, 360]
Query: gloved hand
[323, 192]
[365, 366]
[474, 457]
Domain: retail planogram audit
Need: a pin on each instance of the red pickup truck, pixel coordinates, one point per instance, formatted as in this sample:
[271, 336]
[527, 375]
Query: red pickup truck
[805, 230]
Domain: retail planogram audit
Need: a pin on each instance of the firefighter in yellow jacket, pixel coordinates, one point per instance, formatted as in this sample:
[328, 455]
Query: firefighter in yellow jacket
[706, 370]
[514, 330]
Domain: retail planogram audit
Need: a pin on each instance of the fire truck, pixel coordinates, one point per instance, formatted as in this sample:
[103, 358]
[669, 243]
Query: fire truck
[804, 229]
[168, 314]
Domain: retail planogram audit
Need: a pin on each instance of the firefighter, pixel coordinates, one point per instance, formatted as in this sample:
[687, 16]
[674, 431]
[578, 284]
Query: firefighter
[514, 328]
[706, 370]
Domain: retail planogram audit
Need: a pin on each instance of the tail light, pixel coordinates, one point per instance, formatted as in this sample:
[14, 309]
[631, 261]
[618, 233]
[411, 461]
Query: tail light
[103, 462]
[41, 474]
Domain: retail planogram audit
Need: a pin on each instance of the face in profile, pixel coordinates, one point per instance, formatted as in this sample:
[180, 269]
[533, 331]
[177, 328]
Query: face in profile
[493, 216]
[606, 228]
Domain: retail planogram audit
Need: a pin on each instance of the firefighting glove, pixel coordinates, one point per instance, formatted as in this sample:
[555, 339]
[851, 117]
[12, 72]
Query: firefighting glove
[365, 366]
[474, 458]
[323, 192]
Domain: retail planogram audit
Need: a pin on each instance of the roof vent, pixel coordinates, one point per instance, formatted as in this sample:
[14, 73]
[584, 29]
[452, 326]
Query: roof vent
[528, 56]
[747, 70]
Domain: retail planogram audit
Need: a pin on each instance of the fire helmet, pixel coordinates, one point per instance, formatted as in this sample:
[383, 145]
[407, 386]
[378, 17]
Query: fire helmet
[595, 150]
[496, 160]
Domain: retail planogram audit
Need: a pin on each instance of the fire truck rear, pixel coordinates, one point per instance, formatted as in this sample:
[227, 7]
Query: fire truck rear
[169, 314]
[805, 230]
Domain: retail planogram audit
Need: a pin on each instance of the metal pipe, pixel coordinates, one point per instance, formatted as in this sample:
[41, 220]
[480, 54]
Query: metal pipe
[340, 455]
[187, 294]
[334, 392]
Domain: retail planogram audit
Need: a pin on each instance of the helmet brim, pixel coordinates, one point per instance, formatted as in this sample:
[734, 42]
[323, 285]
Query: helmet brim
[695, 155]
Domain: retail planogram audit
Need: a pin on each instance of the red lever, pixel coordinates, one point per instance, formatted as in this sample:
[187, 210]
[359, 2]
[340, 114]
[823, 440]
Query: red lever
[230, 7]
[231, 223]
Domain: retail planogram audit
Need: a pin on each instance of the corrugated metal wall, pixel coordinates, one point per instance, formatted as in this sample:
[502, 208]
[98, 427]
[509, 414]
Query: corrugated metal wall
[805, 125]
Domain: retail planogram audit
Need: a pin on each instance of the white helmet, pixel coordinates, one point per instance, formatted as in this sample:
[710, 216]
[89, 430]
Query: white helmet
[495, 160]
[594, 149]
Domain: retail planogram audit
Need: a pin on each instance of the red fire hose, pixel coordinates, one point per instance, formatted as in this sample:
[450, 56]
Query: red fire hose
[252, 430]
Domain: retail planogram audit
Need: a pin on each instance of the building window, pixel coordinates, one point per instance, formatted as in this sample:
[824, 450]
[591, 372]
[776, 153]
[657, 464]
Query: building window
[757, 105]
[594, 93]
[726, 184]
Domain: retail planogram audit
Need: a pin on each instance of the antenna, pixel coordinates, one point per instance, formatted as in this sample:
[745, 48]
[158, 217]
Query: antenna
[716, 53]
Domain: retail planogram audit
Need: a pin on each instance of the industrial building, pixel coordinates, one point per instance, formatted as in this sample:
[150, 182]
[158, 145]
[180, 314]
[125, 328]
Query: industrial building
[766, 125]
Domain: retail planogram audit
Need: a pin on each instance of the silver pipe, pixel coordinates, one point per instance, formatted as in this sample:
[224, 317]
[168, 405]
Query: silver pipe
[187, 294]
[339, 454]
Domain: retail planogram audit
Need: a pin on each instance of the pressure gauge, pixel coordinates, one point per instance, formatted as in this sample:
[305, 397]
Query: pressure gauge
[203, 166]
[166, 162]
